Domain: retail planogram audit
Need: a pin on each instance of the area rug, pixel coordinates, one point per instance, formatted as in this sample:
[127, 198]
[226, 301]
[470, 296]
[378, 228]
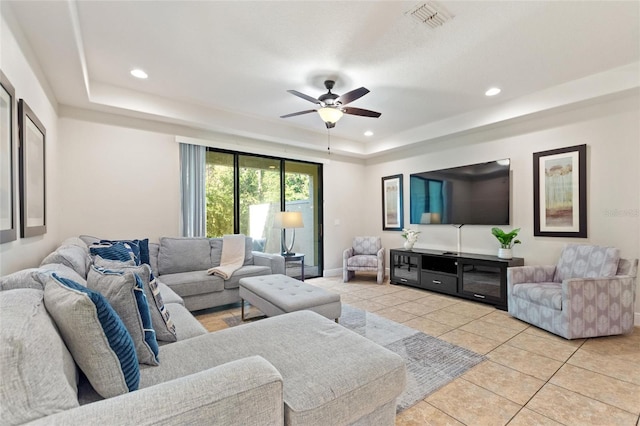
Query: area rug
[431, 362]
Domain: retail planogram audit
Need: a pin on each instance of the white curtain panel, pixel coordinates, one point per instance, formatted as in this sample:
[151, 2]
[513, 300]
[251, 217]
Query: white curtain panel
[192, 188]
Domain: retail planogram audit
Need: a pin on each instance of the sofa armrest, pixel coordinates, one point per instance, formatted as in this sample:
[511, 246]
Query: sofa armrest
[620, 290]
[529, 274]
[347, 254]
[606, 305]
[274, 261]
[242, 392]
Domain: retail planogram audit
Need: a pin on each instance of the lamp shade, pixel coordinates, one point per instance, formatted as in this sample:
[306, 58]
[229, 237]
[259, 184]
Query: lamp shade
[330, 115]
[288, 220]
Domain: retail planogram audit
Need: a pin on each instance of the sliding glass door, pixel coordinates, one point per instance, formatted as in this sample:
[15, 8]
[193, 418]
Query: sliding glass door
[244, 193]
[303, 194]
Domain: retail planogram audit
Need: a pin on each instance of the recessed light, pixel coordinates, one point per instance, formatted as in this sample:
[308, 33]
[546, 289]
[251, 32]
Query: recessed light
[368, 133]
[492, 92]
[138, 73]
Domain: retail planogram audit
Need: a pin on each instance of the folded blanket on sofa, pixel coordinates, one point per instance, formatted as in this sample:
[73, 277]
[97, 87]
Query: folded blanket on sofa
[232, 256]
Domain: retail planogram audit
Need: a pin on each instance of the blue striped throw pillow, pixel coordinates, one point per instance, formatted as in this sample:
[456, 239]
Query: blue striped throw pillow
[119, 251]
[72, 313]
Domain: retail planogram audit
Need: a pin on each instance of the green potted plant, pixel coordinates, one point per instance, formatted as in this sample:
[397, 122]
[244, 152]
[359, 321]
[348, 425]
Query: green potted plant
[507, 241]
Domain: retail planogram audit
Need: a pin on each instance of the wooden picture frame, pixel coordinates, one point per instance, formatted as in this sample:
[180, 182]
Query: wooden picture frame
[8, 216]
[392, 203]
[560, 192]
[33, 210]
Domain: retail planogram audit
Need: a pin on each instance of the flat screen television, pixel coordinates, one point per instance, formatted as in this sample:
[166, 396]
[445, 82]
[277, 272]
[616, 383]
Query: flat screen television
[476, 194]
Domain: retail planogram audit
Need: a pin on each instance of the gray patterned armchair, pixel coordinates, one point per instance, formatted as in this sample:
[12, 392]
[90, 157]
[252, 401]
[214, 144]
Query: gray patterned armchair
[367, 254]
[589, 293]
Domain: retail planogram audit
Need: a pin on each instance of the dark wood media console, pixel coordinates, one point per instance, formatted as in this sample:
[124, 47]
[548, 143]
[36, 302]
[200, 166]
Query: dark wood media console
[479, 277]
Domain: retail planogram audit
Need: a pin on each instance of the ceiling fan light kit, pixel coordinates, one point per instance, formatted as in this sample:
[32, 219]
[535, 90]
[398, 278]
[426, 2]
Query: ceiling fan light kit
[330, 115]
[332, 105]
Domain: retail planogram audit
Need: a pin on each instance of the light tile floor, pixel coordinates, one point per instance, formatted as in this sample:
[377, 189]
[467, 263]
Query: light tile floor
[531, 377]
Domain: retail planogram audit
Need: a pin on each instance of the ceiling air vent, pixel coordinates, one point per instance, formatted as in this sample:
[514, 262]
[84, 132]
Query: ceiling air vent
[431, 13]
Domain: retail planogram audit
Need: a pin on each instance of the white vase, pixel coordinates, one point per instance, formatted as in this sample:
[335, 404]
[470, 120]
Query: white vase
[505, 253]
[408, 245]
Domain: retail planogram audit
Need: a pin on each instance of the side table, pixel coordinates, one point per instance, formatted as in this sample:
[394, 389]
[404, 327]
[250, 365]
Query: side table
[294, 257]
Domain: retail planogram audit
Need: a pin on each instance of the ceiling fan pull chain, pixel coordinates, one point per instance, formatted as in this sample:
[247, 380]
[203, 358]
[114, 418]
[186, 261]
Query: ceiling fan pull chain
[328, 142]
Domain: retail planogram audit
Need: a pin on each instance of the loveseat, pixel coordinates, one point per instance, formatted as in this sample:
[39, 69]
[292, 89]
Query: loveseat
[294, 369]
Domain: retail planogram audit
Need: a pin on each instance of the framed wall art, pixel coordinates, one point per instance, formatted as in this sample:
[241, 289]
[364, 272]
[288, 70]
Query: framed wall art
[8, 219]
[560, 192]
[392, 207]
[32, 173]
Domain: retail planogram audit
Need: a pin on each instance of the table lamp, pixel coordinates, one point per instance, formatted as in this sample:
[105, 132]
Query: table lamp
[288, 220]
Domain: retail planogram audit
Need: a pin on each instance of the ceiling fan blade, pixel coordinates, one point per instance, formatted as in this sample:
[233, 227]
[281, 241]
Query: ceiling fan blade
[362, 112]
[353, 95]
[293, 114]
[303, 96]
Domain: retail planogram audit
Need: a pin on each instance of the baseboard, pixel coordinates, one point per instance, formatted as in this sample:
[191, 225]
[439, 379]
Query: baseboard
[332, 272]
[338, 272]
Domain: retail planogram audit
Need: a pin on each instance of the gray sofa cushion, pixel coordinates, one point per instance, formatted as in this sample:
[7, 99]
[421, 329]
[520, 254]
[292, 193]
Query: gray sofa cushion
[38, 373]
[72, 256]
[193, 283]
[25, 278]
[245, 271]
[302, 346]
[187, 326]
[76, 241]
[168, 296]
[154, 250]
[31, 278]
[183, 255]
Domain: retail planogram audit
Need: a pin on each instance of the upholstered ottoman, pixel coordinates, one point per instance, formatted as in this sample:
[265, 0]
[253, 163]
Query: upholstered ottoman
[279, 294]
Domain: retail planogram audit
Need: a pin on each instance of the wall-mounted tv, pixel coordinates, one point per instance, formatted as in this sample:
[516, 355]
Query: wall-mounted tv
[477, 194]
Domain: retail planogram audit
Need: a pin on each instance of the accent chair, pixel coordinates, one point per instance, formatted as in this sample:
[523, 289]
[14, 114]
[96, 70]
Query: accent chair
[366, 254]
[589, 293]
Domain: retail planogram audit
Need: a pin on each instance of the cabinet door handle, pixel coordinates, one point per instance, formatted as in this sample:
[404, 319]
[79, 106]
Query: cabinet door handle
[403, 280]
[479, 296]
[437, 282]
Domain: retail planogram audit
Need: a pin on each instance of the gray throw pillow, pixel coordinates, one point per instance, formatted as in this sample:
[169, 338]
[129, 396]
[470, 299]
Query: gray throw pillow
[120, 289]
[96, 337]
[160, 317]
[72, 256]
[111, 264]
[38, 373]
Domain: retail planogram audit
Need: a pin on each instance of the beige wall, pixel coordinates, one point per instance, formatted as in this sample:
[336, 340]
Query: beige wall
[611, 130]
[27, 252]
[118, 182]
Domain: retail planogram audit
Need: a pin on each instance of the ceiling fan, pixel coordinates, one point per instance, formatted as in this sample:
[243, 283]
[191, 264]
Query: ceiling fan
[332, 106]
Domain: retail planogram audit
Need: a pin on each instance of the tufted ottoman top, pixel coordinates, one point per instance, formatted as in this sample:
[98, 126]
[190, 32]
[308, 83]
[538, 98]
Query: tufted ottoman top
[288, 293]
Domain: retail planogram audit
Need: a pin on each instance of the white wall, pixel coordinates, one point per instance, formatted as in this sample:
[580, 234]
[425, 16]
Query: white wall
[118, 182]
[28, 252]
[611, 130]
[345, 215]
[121, 182]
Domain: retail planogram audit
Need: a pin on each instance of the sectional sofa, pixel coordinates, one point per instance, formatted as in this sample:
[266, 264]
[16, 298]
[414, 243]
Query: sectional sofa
[294, 369]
